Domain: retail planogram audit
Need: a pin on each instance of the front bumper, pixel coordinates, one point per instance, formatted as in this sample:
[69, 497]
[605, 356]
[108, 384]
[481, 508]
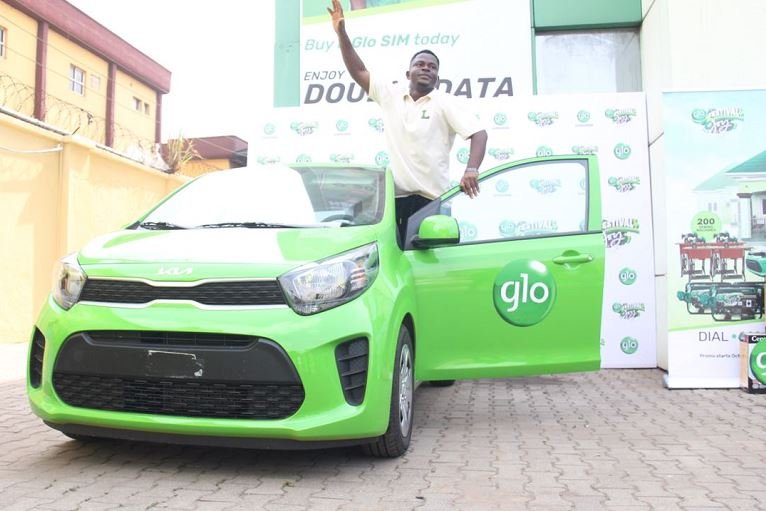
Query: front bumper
[309, 343]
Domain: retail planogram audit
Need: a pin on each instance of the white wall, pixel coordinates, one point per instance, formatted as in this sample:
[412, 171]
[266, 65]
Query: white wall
[716, 44]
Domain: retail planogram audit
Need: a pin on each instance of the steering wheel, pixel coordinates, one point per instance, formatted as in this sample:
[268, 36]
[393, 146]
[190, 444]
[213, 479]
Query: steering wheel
[339, 216]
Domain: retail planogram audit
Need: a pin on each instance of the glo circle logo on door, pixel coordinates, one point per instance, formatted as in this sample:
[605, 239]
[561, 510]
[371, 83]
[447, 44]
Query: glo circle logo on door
[622, 151]
[758, 362]
[524, 292]
[628, 276]
[629, 345]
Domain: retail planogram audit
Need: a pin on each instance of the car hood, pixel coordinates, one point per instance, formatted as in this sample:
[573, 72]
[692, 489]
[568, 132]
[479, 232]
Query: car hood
[196, 254]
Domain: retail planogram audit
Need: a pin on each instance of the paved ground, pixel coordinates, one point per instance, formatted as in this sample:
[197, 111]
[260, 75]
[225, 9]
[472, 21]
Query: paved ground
[610, 440]
[13, 361]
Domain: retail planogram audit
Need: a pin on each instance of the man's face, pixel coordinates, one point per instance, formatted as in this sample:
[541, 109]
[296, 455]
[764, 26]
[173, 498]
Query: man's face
[424, 71]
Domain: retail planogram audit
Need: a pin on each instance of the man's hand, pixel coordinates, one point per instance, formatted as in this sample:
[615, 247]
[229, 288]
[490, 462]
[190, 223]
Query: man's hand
[470, 183]
[337, 15]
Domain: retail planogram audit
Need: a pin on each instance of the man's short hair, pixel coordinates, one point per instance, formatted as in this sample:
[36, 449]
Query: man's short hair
[428, 52]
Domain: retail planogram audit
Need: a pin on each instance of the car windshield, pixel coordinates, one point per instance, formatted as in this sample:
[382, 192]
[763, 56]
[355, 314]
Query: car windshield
[274, 196]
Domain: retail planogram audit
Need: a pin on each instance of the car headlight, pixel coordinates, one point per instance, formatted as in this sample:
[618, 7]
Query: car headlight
[325, 284]
[68, 281]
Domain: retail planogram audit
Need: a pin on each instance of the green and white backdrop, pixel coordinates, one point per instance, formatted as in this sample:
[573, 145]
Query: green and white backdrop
[715, 189]
[319, 116]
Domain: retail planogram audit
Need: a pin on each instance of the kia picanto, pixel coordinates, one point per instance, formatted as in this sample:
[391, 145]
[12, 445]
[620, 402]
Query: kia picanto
[276, 307]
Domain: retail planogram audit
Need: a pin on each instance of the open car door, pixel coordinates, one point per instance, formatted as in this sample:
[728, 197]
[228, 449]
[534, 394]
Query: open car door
[520, 292]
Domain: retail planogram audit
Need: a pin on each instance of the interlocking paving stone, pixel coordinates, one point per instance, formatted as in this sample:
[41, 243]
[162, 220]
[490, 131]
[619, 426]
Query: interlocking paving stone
[612, 440]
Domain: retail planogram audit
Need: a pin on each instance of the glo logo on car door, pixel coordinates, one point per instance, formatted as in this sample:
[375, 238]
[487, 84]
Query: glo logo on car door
[524, 292]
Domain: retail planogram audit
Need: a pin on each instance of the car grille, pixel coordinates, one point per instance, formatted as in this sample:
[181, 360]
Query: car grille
[256, 292]
[176, 339]
[178, 373]
[179, 397]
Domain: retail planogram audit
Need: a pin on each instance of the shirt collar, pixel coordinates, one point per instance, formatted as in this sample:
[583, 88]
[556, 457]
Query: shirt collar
[429, 96]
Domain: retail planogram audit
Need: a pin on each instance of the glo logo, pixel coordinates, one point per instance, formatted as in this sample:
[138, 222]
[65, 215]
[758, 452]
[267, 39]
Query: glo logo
[524, 292]
[500, 119]
[382, 159]
[544, 151]
[341, 125]
[462, 155]
[622, 151]
[468, 231]
[303, 158]
[501, 186]
[627, 276]
[583, 116]
[758, 362]
[269, 129]
[629, 345]
[507, 228]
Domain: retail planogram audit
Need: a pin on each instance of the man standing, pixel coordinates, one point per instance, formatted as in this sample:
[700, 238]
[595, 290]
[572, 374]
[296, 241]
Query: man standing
[420, 126]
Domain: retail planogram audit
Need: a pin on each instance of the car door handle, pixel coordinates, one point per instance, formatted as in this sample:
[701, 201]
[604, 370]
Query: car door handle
[573, 259]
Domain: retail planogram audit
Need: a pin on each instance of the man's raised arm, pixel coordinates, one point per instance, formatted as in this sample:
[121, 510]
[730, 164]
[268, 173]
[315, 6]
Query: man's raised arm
[353, 63]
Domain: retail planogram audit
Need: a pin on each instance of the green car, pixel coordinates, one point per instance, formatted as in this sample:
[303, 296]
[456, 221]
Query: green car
[275, 307]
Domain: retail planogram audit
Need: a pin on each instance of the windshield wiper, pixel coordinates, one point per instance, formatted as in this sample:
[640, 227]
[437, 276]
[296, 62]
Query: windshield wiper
[247, 225]
[160, 226]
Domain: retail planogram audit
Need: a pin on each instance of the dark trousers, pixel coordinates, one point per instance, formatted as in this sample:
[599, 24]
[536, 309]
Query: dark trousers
[406, 206]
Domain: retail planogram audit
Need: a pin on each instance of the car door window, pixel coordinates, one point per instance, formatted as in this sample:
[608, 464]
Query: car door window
[533, 200]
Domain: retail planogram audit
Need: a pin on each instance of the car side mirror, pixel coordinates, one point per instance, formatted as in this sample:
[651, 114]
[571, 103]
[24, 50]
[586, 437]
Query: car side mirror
[437, 230]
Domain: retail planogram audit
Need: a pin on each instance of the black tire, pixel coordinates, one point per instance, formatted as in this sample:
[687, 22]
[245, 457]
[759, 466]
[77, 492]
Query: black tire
[442, 383]
[397, 437]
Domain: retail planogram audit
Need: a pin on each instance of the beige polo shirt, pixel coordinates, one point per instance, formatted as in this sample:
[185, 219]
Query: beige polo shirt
[420, 134]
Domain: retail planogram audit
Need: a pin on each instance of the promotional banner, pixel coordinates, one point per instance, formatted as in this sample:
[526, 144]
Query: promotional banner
[464, 34]
[715, 168]
[612, 126]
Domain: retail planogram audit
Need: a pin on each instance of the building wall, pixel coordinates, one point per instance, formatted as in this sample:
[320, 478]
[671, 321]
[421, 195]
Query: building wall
[717, 44]
[133, 126]
[64, 107]
[17, 68]
[52, 203]
[134, 130]
[693, 45]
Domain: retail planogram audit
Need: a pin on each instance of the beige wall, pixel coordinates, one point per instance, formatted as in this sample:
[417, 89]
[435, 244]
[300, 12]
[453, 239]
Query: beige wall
[64, 107]
[17, 67]
[196, 168]
[133, 127]
[52, 203]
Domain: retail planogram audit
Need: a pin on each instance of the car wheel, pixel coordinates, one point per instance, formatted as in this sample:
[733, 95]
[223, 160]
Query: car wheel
[396, 440]
[442, 383]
